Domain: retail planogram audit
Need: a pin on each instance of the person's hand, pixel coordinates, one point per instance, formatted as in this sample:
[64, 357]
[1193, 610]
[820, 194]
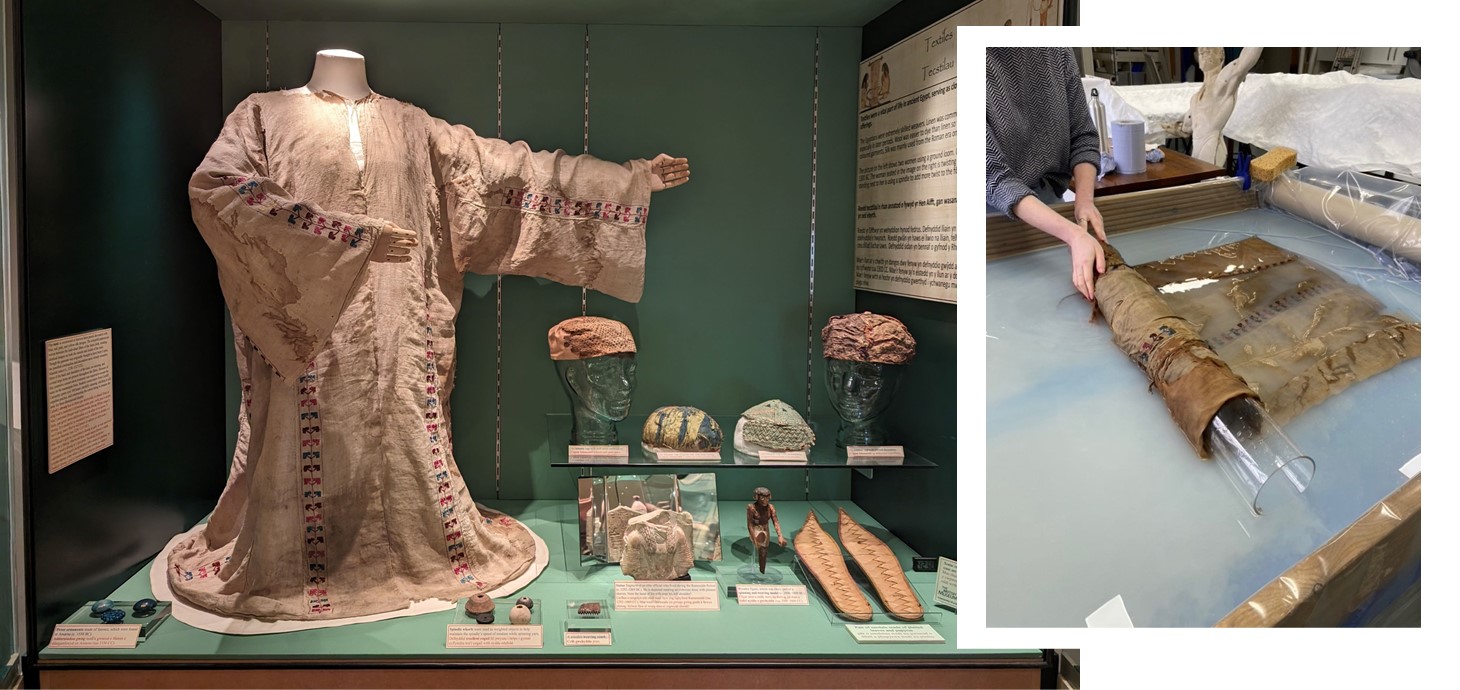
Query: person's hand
[781, 539]
[1086, 259]
[1088, 217]
[668, 171]
[393, 245]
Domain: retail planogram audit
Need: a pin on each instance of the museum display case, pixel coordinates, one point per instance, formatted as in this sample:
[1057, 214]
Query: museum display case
[357, 461]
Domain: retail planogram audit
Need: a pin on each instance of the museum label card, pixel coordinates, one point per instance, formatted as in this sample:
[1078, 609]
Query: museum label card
[676, 595]
[874, 455]
[771, 595]
[790, 456]
[896, 633]
[945, 592]
[687, 455]
[78, 396]
[494, 637]
[590, 454]
[85, 636]
[587, 638]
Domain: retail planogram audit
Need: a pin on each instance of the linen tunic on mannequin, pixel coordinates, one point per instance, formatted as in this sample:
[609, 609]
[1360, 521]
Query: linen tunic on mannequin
[344, 499]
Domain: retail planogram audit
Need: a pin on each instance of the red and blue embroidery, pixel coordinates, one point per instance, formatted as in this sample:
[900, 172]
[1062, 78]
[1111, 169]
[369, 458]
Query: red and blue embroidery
[441, 475]
[548, 205]
[312, 492]
[1154, 340]
[202, 572]
[299, 215]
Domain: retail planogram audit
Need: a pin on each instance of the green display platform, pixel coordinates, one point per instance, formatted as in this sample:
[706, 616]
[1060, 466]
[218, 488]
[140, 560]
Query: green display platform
[734, 632]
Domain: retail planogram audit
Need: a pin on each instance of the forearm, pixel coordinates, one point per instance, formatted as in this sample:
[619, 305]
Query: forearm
[1034, 212]
[1084, 182]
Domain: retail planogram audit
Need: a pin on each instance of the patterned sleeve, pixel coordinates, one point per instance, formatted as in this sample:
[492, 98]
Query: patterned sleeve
[1002, 188]
[1084, 140]
[287, 267]
[576, 220]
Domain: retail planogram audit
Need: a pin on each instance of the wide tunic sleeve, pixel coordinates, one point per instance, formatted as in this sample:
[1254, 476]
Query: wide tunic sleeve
[510, 210]
[287, 267]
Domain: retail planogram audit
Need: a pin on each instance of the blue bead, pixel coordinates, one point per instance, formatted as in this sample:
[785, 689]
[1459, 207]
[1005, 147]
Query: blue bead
[112, 616]
[100, 606]
[145, 605]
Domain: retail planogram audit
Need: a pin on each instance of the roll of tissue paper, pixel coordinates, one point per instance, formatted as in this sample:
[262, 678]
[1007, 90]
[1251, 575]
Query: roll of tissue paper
[1128, 144]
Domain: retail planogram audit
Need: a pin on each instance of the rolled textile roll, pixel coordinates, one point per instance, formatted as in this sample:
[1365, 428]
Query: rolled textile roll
[1395, 232]
[1192, 379]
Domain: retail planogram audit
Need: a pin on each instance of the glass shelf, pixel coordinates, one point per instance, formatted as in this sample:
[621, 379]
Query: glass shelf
[824, 455]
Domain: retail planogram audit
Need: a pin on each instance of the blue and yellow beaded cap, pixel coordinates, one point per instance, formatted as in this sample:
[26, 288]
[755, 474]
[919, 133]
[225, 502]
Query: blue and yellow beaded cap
[682, 428]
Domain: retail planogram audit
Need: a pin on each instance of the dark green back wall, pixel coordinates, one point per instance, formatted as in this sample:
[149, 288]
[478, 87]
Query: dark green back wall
[119, 105]
[723, 322]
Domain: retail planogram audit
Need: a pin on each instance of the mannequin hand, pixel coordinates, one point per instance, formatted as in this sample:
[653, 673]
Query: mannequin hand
[1086, 258]
[393, 245]
[1088, 217]
[668, 171]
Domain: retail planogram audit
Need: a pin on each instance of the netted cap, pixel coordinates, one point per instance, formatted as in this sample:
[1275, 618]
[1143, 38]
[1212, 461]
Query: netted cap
[582, 337]
[867, 337]
[775, 425]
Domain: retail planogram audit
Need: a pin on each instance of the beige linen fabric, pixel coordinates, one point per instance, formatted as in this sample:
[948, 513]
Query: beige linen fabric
[1190, 377]
[1295, 332]
[344, 499]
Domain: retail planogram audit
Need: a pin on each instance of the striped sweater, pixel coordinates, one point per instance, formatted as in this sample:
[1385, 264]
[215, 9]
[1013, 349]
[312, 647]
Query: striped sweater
[1039, 126]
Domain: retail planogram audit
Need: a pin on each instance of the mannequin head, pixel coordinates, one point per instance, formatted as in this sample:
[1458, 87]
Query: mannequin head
[341, 72]
[762, 496]
[865, 354]
[861, 392]
[603, 386]
[596, 364]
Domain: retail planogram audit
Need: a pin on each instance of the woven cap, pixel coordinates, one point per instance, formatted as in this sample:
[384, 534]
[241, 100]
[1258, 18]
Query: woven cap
[774, 424]
[867, 337]
[582, 337]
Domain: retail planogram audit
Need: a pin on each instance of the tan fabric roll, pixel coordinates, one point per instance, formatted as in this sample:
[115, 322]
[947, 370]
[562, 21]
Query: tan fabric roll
[1192, 379]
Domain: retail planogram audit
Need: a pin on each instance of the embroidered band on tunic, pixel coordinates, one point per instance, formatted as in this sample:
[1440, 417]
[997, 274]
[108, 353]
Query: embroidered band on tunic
[318, 223]
[441, 474]
[311, 457]
[547, 204]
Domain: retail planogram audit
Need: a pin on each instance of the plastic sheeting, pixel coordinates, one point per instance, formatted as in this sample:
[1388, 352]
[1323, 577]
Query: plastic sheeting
[1343, 580]
[1118, 110]
[1334, 120]
[1380, 215]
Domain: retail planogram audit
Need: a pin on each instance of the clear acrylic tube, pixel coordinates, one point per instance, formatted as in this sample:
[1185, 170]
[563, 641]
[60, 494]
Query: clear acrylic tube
[1252, 451]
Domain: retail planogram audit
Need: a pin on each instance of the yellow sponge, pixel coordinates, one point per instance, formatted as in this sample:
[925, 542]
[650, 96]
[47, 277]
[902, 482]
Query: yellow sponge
[1268, 166]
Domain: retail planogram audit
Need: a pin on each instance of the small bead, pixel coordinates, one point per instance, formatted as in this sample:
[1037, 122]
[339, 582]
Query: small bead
[100, 606]
[112, 616]
[525, 601]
